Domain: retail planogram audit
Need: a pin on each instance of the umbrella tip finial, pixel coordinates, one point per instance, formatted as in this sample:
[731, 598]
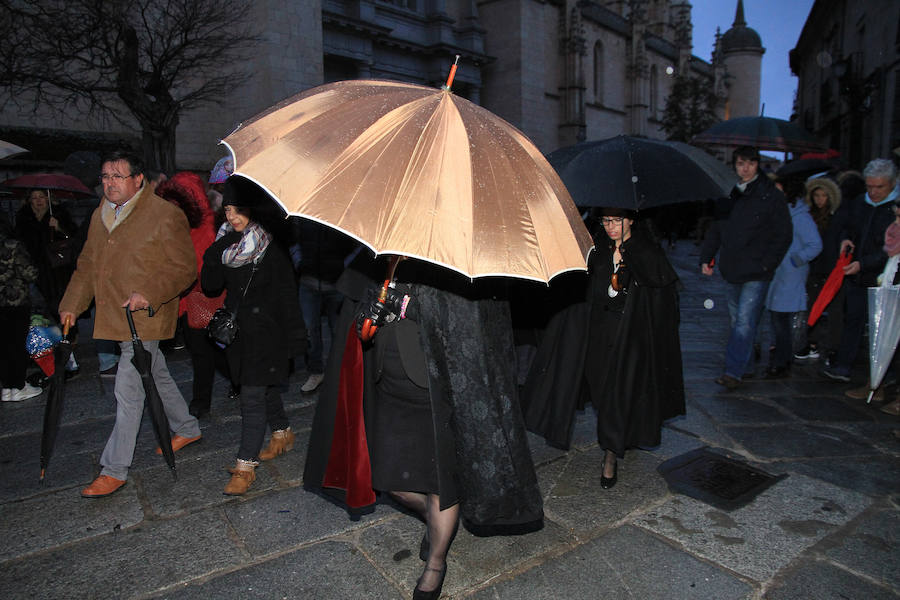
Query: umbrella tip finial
[453, 67]
[42, 476]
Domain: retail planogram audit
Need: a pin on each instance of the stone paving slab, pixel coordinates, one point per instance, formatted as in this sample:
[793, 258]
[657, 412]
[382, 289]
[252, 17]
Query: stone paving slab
[824, 410]
[695, 423]
[625, 563]
[799, 441]
[393, 546]
[127, 563]
[284, 519]
[200, 482]
[874, 475]
[824, 581]
[324, 571]
[63, 472]
[23, 526]
[763, 537]
[726, 410]
[579, 504]
[872, 547]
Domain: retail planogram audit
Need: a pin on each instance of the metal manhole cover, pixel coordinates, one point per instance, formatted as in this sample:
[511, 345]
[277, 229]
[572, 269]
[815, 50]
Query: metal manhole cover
[715, 479]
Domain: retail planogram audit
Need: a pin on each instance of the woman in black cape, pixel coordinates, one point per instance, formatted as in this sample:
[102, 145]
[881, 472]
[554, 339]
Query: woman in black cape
[431, 404]
[616, 343]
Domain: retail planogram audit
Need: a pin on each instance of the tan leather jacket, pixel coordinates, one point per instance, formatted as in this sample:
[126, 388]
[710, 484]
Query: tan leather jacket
[146, 250]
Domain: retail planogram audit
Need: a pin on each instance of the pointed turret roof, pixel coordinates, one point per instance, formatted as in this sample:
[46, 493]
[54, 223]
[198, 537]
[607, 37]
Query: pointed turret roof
[740, 37]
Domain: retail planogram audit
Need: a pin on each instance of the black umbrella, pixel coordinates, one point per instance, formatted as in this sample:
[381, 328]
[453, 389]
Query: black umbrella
[142, 362]
[639, 173]
[56, 393]
[804, 167]
[765, 133]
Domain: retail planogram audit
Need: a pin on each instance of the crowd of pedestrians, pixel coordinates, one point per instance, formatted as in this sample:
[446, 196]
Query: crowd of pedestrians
[429, 410]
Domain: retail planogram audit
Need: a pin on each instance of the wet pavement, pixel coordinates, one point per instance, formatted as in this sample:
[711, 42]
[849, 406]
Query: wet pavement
[829, 529]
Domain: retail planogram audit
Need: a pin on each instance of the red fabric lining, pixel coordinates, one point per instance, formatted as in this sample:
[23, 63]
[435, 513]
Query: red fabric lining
[348, 467]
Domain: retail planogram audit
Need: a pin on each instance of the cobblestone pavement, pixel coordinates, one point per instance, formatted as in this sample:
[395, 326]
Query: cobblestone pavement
[829, 529]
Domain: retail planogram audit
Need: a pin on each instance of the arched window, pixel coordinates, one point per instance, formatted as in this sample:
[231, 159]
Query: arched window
[654, 92]
[598, 72]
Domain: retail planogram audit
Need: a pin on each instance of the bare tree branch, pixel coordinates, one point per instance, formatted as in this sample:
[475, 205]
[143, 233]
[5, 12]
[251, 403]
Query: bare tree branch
[158, 58]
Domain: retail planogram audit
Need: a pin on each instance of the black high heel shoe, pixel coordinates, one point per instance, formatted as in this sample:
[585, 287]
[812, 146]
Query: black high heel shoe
[607, 482]
[436, 592]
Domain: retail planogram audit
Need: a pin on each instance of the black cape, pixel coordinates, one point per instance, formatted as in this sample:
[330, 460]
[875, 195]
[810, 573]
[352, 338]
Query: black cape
[465, 335]
[644, 378]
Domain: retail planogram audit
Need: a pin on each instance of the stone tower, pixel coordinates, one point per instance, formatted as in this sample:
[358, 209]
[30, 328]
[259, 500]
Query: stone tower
[741, 53]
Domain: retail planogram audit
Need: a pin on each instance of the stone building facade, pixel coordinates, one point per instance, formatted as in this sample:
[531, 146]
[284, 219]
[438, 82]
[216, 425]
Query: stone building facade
[847, 60]
[560, 70]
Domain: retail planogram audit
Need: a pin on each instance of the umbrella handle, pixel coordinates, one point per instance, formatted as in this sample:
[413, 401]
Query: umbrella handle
[66, 325]
[367, 330]
[134, 335]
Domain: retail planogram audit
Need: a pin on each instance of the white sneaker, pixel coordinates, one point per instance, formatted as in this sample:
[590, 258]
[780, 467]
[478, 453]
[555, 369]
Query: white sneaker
[29, 391]
[312, 382]
[7, 392]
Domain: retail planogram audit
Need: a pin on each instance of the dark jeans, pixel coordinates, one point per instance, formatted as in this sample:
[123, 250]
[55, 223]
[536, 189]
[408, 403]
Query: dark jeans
[855, 318]
[781, 328]
[205, 359]
[14, 322]
[317, 298]
[260, 405]
[745, 305]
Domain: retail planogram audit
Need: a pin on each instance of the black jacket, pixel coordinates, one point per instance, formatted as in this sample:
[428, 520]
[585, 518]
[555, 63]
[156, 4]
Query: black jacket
[865, 225]
[270, 323]
[645, 382]
[752, 233]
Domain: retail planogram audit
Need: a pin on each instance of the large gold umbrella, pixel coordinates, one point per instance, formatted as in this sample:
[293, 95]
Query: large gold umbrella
[418, 172]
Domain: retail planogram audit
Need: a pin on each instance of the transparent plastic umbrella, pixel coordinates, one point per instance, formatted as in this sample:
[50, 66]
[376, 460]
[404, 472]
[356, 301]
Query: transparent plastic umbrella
[884, 331]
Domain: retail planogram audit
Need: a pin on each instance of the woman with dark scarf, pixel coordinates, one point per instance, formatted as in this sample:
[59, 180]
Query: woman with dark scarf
[615, 343]
[258, 276]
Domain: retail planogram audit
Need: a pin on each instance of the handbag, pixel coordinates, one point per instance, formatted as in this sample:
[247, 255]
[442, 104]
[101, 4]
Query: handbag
[223, 327]
[200, 308]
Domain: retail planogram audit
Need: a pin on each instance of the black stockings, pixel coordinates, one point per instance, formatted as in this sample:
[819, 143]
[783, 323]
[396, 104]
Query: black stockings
[441, 528]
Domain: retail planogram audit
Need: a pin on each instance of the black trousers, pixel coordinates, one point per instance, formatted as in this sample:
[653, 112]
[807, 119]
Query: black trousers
[205, 359]
[260, 405]
[14, 321]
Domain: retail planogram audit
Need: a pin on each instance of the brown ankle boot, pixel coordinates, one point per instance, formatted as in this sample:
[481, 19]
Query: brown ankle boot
[282, 441]
[242, 475]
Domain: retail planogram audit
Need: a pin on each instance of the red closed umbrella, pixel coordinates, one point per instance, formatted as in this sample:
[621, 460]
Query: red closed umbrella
[831, 287]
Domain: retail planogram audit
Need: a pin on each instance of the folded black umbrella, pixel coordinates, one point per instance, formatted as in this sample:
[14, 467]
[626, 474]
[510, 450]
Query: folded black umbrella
[639, 173]
[142, 362]
[56, 393]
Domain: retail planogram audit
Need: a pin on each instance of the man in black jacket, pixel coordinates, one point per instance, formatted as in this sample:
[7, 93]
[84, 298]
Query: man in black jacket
[867, 218]
[751, 234]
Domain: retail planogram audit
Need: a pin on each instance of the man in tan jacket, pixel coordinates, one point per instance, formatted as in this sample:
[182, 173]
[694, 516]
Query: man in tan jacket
[138, 255]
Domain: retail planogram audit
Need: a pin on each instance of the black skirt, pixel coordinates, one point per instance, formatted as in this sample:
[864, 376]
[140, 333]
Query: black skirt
[402, 434]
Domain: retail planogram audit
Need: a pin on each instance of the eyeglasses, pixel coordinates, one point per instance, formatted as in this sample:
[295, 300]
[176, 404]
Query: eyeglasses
[611, 220]
[113, 177]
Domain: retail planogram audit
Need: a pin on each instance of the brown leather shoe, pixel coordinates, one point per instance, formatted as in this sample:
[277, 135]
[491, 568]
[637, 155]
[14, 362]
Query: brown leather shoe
[862, 393]
[242, 475]
[179, 442]
[102, 486]
[282, 441]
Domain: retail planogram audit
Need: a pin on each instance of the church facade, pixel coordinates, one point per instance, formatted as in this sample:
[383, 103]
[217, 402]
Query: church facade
[562, 71]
